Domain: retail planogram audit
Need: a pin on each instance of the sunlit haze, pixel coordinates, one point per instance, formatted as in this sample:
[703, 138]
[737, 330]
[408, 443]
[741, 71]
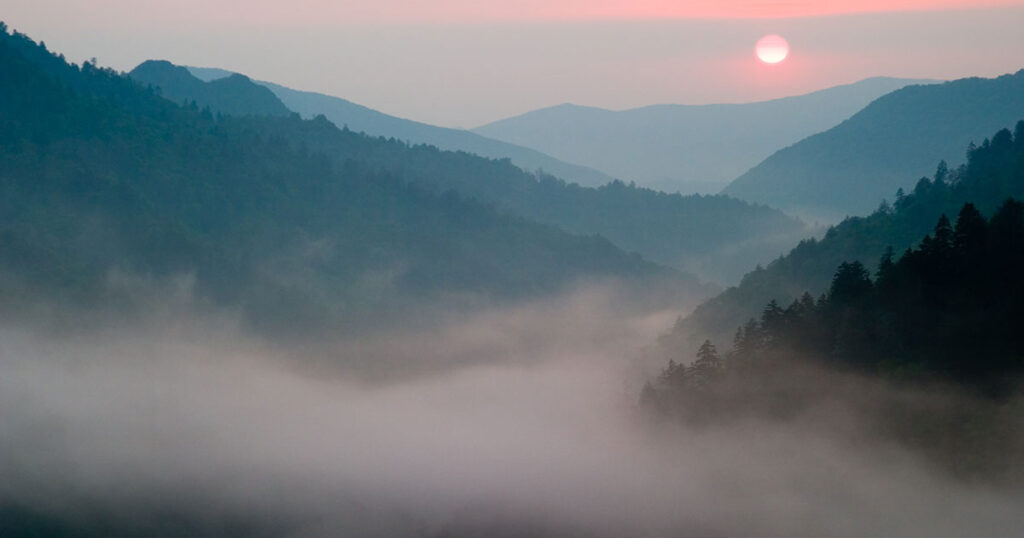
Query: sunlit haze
[772, 49]
[462, 63]
[511, 268]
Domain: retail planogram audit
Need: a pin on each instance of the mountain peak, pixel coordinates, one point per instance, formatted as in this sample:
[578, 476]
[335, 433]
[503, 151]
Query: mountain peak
[160, 68]
[687, 148]
[888, 145]
[234, 94]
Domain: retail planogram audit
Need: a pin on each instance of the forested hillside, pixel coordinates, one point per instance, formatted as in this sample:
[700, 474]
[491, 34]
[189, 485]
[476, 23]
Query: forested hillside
[928, 351]
[101, 177]
[895, 140]
[716, 237]
[234, 94]
[994, 171]
[949, 307]
[361, 119]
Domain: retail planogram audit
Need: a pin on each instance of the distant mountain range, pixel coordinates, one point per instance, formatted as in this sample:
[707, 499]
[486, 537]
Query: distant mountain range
[715, 237]
[359, 118]
[894, 141]
[681, 147]
[108, 189]
[993, 173]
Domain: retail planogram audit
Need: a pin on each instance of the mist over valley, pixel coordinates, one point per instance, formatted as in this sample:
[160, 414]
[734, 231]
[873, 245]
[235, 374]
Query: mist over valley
[231, 308]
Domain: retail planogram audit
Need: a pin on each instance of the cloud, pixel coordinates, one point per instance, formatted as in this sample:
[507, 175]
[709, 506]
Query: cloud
[531, 428]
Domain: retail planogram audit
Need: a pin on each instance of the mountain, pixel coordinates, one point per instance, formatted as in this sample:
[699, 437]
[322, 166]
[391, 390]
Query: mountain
[716, 237]
[898, 138]
[926, 354]
[994, 171]
[685, 148]
[107, 188]
[235, 94]
[362, 119]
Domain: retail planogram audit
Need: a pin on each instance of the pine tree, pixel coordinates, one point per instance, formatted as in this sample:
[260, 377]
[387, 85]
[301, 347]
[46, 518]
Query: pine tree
[708, 366]
[885, 266]
[850, 284]
[943, 236]
[773, 322]
[941, 172]
[970, 238]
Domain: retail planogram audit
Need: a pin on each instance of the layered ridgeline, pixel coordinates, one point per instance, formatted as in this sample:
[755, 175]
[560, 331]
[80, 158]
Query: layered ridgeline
[685, 148]
[994, 171]
[107, 188]
[927, 352]
[367, 120]
[716, 237]
[898, 138]
[234, 94]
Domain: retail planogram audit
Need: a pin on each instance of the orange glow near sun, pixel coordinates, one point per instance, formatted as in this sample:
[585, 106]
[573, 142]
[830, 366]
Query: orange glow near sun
[772, 49]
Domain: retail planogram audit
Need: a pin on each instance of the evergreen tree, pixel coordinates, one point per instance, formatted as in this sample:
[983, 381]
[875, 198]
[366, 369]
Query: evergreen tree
[773, 322]
[885, 266]
[970, 233]
[850, 284]
[941, 172]
[708, 366]
[942, 237]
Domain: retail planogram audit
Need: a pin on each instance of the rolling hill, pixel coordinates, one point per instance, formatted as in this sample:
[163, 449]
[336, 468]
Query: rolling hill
[716, 237]
[994, 171]
[893, 142]
[234, 94]
[107, 187]
[680, 147]
[344, 113]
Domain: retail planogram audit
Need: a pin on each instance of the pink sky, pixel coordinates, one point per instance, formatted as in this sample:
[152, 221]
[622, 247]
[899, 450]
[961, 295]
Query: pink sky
[562, 10]
[468, 62]
[278, 13]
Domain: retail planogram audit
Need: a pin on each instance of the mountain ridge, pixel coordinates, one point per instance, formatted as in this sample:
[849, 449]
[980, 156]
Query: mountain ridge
[104, 177]
[361, 118]
[666, 146]
[892, 142]
[235, 94]
[714, 237]
[994, 172]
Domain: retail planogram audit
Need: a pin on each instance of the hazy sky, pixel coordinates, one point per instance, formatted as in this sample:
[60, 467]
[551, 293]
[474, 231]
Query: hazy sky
[469, 62]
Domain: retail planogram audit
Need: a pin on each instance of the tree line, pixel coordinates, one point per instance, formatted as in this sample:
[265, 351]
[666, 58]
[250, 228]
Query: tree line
[949, 308]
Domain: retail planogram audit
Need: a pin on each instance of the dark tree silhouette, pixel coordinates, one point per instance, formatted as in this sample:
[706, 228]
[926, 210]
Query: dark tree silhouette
[950, 308]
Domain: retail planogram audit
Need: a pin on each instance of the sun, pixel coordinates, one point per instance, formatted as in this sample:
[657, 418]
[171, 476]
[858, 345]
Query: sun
[772, 49]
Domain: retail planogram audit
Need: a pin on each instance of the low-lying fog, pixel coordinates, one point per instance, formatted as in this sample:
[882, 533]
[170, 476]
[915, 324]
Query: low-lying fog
[520, 422]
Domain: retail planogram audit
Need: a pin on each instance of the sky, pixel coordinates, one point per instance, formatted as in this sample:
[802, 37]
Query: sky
[464, 63]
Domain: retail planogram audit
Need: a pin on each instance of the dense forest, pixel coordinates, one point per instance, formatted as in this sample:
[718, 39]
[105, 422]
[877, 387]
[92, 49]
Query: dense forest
[944, 319]
[717, 237]
[950, 307]
[885, 146]
[994, 171]
[100, 176]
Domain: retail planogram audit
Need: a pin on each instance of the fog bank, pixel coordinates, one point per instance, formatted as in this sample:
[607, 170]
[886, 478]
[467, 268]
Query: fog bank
[516, 422]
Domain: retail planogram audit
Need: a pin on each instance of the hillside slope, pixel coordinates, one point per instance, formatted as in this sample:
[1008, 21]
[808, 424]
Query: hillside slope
[105, 186]
[685, 148]
[235, 94]
[897, 139]
[716, 237]
[994, 172]
[358, 118]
